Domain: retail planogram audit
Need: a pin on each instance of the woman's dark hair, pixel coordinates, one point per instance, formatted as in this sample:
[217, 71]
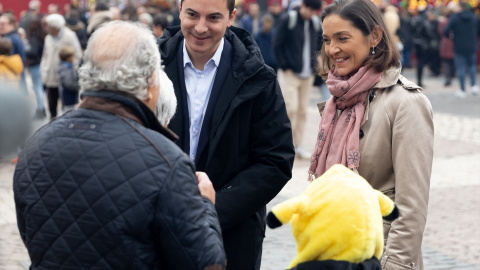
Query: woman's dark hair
[36, 28]
[365, 16]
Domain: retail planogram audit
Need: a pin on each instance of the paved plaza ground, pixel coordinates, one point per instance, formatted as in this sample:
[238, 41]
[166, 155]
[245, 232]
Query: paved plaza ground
[452, 235]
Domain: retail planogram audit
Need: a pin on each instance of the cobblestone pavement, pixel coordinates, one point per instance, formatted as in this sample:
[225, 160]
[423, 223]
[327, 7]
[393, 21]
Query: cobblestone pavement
[452, 234]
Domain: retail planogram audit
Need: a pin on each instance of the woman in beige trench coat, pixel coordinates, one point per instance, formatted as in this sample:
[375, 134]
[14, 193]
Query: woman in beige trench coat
[376, 122]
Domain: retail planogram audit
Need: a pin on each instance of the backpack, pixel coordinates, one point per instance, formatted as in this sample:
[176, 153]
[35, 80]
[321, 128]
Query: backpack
[292, 21]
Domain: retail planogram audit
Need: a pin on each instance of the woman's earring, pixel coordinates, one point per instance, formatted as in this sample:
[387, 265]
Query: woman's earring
[373, 50]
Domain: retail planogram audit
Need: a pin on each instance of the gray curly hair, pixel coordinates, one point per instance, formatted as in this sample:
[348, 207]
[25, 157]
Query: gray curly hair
[121, 56]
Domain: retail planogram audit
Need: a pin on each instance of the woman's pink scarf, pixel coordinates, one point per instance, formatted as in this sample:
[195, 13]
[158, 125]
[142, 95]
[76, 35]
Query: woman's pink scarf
[338, 137]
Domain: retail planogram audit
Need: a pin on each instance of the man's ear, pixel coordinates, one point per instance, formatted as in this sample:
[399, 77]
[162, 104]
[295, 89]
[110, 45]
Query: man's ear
[376, 36]
[231, 17]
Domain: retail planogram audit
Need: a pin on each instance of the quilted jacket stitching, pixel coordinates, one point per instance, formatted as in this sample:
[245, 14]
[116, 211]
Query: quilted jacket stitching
[163, 217]
[148, 139]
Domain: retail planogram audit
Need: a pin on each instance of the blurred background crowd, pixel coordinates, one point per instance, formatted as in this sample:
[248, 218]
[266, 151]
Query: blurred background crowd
[42, 41]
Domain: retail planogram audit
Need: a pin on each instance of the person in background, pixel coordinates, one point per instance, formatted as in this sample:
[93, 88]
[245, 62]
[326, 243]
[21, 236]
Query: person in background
[68, 77]
[146, 19]
[421, 36]
[116, 13]
[58, 37]
[34, 57]
[74, 23]
[32, 13]
[53, 9]
[464, 26]
[296, 43]
[126, 197]
[446, 46]
[276, 11]
[8, 29]
[377, 123]
[100, 15]
[160, 22]
[252, 21]
[405, 35]
[434, 61]
[229, 105]
[11, 66]
[264, 39]
[392, 22]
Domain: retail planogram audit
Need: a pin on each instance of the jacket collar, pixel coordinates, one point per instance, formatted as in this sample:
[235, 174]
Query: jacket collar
[247, 59]
[126, 105]
[389, 78]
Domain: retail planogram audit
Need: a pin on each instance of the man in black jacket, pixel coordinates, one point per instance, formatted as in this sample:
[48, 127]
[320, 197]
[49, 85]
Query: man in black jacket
[296, 44]
[104, 186]
[231, 120]
[466, 29]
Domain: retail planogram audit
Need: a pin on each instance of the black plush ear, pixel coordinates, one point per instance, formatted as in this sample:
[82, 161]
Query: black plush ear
[272, 221]
[393, 215]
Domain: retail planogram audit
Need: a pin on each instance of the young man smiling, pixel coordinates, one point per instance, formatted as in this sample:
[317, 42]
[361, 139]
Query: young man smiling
[231, 120]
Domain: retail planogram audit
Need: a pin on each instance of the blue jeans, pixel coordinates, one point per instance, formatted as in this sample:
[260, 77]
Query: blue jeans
[405, 58]
[462, 61]
[37, 86]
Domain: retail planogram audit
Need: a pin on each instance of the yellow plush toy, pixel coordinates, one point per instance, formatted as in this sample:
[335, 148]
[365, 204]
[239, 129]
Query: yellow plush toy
[337, 218]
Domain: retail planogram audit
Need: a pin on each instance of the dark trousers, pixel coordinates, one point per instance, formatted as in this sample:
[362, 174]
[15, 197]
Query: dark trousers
[422, 59]
[243, 243]
[448, 70]
[52, 96]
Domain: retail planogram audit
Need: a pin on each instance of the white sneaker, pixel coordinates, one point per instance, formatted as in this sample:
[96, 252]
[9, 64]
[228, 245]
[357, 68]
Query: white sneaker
[460, 94]
[302, 153]
[475, 90]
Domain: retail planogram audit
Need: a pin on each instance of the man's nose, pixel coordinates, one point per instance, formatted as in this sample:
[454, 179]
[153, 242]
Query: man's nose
[201, 26]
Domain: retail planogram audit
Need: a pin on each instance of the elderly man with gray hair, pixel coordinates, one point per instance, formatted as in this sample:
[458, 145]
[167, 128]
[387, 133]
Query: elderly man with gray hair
[58, 37]
[103, 186]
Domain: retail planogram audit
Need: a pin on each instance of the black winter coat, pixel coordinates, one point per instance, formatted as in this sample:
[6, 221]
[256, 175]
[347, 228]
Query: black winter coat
[104, 187]
[288, 44]
[250, 151]
[35, 51]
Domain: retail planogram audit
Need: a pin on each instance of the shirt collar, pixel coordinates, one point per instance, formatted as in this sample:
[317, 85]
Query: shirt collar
[215, 58]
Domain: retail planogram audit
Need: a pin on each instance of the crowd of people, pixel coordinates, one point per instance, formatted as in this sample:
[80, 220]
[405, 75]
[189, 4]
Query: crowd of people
[175, 131]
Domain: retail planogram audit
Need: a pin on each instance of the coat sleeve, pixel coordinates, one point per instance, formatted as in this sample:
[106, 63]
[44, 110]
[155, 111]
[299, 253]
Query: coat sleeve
[189, 233]
[412, 156]
[272, 154]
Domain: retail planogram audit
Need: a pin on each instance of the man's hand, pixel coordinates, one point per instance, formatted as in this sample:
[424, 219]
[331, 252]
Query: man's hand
[205, 186]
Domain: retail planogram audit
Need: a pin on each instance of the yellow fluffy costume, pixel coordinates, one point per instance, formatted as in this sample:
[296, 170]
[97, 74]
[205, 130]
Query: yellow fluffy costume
[338, 217]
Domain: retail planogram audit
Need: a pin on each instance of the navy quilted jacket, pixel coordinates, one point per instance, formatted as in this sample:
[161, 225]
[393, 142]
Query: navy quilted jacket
[103, 187]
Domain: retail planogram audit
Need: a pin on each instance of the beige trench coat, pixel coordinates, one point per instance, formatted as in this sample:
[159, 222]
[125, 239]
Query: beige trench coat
[396, 153]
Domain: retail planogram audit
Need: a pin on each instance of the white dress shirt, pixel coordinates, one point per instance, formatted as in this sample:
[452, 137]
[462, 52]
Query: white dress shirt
[199, 87]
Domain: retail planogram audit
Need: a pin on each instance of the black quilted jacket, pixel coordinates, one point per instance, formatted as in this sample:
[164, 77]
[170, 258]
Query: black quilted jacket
[103, 187]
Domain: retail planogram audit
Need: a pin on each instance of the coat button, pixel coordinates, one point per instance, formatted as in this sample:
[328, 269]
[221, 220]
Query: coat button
[361, 133]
